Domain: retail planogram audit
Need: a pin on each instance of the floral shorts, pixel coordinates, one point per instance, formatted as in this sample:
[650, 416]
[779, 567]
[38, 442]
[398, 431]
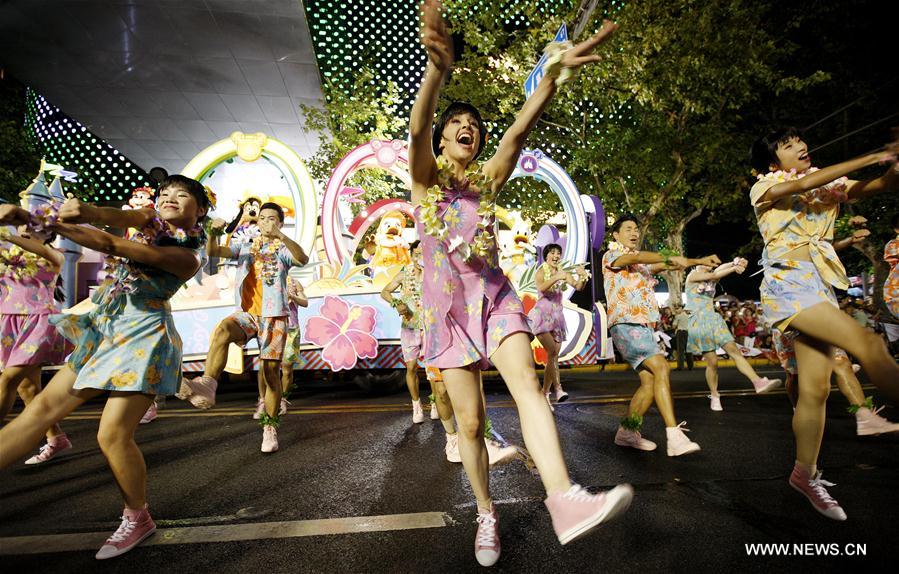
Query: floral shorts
[271, 332]
[410, 340]
[785, 347]
[634, 342]
[292, 348]
[790, 287]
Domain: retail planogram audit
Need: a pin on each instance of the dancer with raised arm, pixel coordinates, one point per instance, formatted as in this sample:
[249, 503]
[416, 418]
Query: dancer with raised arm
[127, 346]
[796, 206]
[546, 319]
[470, 313]
[708, 331]
[629, 278]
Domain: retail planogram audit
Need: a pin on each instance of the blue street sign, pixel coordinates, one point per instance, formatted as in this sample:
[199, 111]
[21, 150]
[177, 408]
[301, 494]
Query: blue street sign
[530, 84]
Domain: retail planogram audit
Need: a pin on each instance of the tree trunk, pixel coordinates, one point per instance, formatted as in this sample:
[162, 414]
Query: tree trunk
[675, 279]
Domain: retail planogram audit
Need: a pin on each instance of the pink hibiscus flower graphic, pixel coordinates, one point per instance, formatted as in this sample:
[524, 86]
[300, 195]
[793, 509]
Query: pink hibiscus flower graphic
[344, 332]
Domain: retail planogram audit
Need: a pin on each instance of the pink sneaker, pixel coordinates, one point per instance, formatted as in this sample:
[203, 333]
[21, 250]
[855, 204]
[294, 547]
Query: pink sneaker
[813, 489]
[575, 512]
[498, 454]
[284, 404]
[260, 408]
[150, 415]
[633, 439]
[678, 443]
[269, 439]
[54, 446]
[135, 527]
[486, 542]
[200, 392]
[764, 384]
[452, 448]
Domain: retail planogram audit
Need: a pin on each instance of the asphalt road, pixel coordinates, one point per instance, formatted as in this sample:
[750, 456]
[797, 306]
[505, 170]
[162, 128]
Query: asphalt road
[346, 455]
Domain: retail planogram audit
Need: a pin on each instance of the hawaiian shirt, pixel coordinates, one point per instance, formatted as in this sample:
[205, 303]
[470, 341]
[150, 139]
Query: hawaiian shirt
[630, 297]
[274, 293]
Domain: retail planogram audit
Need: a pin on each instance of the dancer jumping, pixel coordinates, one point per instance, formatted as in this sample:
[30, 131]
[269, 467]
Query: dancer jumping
[471, 314]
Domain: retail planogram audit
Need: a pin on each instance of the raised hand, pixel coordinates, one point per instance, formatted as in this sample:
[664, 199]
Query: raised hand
[709, 260]
[75, 211]
[12, 215]
[860, 235]
[218, 224]
[435, 36]
[582, 54]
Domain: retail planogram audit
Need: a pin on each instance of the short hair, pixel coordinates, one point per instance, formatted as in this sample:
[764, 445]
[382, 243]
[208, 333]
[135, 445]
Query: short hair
[191, 186]
[549, 247]
[451, 111]
[274, 206]
[616, 227]
[764, 150]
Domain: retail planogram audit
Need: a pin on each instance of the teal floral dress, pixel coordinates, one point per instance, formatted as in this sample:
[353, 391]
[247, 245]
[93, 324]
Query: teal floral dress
[707, 329]
[129, 341]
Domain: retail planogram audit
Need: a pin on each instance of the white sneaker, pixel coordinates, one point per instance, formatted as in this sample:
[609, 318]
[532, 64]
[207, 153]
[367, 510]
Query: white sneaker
[561, 395]
[260, 408]
[418, 415]
[716, 403]
[284, 405]
[452, 448]
[498, 454]
[435, 416]
[269, 439]
[633, 439]
[678, 443]
[868, 422]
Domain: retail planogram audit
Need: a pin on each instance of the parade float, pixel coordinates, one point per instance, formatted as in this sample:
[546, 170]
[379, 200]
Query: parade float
[354, 252]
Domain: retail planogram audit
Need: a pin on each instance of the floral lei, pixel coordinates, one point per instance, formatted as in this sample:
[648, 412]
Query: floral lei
[833, 192]
[484, 241]
[265, 257]
[122, 274]
[547, 273]
[19, 264]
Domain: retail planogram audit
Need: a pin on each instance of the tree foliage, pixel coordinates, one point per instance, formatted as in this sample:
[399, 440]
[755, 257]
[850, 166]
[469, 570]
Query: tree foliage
[20, 160]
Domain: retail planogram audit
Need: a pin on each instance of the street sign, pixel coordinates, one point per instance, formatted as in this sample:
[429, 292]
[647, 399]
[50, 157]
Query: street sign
[530, 84]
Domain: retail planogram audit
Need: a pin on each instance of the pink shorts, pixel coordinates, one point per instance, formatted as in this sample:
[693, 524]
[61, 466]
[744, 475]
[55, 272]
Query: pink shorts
[410, 340]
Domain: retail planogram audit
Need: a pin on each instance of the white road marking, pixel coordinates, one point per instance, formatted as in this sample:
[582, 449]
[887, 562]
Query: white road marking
[51, 543]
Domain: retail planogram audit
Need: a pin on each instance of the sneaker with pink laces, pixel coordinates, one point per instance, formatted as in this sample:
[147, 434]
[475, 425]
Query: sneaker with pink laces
[150, 415]
[486, 542]
[814, 491]
[497, 453]
[575, 512]
[260, 408]
[678, 443]
[633, 439]
[269, 439]
[284, 404]
[135, 527]
[868, 422]
[764, 384]
[200, 392]
[452, 448]
[54, 446]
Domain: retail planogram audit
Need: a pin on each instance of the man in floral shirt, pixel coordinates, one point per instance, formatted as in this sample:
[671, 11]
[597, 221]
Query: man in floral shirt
[628, 276]
[261, 293]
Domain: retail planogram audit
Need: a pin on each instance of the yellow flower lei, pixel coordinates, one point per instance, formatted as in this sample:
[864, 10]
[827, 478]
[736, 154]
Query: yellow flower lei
[484, 240]
[20, 264]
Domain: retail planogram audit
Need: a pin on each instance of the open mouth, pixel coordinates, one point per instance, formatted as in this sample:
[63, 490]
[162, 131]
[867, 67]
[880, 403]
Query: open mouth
[803, 156]
[393, 231]
[520, 239]
[465, 139]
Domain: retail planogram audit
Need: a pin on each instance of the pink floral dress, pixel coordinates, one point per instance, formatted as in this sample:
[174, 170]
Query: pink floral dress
[27, 282]
[468, 306]
[546, 316]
